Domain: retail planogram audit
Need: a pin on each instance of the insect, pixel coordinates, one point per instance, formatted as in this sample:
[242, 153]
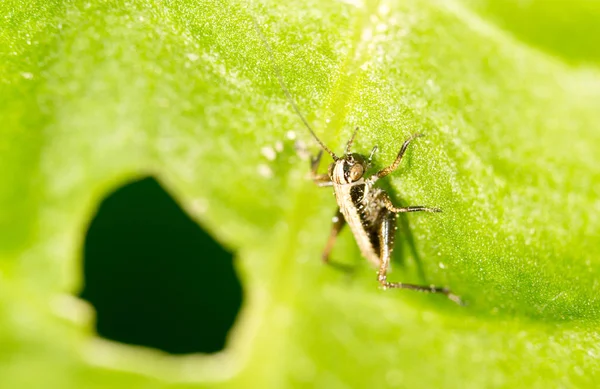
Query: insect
[366, 209]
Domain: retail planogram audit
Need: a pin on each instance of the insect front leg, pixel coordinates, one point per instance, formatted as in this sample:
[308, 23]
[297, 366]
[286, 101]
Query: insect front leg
[319, 179]
[387, 230]
[387, 202]
[384, 172]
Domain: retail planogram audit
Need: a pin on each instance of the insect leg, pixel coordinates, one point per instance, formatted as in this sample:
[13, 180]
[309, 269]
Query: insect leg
[319, 179]
[415, 208]
[338, 223]
[373, 151]
[385, 171]
[387, 230]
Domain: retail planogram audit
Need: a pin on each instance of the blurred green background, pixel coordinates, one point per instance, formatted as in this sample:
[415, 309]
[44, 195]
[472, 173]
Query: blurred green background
[158, 230]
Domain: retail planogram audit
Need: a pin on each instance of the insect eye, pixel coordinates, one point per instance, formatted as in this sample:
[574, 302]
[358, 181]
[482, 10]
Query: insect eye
[356, 172]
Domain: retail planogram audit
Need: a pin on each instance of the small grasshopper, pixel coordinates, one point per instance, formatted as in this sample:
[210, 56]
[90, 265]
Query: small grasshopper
[368, 211]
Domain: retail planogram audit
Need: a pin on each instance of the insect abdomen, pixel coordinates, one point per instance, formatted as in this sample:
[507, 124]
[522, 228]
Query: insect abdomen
[353, 207]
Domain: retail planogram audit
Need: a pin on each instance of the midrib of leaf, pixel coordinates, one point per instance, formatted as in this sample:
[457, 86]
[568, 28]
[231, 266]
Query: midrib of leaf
[342, 96]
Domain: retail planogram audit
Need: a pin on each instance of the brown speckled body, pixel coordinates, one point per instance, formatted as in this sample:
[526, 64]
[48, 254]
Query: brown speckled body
[364, 212]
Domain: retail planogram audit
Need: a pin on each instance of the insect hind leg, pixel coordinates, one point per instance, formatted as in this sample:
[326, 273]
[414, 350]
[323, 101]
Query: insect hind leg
[386, 232]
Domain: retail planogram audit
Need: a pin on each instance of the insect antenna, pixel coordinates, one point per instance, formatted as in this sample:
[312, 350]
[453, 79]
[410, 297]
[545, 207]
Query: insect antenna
[287, 92]
[349, 145]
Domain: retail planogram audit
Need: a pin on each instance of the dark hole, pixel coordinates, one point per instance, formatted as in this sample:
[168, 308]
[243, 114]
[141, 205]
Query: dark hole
[155, 277]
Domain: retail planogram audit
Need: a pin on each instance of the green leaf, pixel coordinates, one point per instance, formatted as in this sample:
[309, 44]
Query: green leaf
[93, 94]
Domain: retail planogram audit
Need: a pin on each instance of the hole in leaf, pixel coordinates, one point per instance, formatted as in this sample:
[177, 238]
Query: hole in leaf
[155, 278]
